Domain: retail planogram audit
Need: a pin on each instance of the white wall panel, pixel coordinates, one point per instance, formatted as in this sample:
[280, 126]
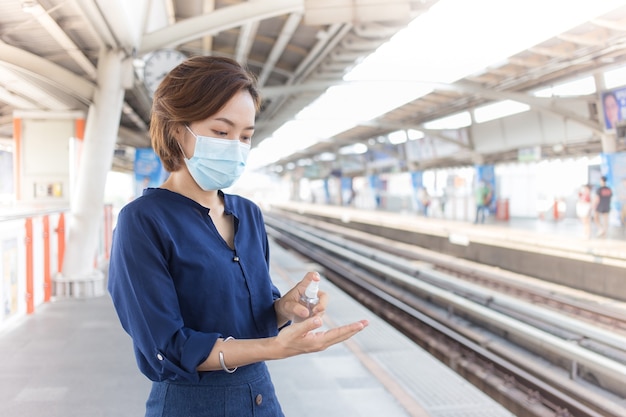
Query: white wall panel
[45, 143]
[530, 128]
[489, 137]
[45, 158]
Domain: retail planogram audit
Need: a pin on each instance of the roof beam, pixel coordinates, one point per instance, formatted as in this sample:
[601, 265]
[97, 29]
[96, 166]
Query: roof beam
[57, 76]
[217, 21]
[280, 44]
[245, 41]
[208, 6]
[536, 103]
[59, 35]
[403, 126]
[618, 25]
[16, 100]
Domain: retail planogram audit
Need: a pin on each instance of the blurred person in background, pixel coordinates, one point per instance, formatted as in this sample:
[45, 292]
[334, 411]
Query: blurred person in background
[482, 198]
[602, 206]
[583, 208]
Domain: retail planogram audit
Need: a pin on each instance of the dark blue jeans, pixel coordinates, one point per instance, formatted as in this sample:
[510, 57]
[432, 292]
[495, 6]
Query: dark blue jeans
[480, 212]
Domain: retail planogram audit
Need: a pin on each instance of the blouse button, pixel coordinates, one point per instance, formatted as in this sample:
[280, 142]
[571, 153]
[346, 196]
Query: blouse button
[236, 259]
[258, 399]
[159, 356]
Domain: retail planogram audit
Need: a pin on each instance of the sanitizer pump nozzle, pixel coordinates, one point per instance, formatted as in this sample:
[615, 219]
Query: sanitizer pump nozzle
[309, 299]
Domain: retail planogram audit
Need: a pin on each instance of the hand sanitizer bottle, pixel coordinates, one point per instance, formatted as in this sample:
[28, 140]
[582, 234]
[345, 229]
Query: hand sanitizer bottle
[309, 299]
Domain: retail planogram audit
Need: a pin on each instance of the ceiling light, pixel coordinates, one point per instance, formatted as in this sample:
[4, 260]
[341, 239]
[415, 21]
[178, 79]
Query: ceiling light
[397, 137]
[579, 87]
[414, 134]
[498, 110]
[354, 149]
[455, 121]
[326, 157]
[615, 78]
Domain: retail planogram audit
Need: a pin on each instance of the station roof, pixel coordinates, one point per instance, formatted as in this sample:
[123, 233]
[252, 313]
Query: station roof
[49, 53]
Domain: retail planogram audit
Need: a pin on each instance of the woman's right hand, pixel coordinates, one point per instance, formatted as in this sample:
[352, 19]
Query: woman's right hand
[296, 339]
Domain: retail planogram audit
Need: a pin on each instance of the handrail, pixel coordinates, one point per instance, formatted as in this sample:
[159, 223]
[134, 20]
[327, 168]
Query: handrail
[31, 212]
[32, 249]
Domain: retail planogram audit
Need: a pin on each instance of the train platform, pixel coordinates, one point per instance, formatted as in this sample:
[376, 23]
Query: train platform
[565, 233]
[71, 358]
[554, 251]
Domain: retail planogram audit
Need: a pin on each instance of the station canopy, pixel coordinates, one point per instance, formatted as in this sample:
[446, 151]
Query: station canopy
[337, 77]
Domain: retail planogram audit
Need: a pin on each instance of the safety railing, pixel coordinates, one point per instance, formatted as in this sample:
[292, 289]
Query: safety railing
[32, 248]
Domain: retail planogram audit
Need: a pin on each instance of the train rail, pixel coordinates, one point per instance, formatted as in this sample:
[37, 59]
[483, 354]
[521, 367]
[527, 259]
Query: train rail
[478, 331]
[589, 309]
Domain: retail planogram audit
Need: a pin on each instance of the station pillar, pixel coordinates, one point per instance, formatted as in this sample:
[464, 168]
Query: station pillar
[80, 276]
[609, 143]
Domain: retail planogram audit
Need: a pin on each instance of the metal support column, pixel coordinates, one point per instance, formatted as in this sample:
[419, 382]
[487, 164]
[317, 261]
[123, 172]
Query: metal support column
[80, 276]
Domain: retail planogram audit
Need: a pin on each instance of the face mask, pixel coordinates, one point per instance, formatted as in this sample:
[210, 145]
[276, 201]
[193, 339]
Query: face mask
[216, 163]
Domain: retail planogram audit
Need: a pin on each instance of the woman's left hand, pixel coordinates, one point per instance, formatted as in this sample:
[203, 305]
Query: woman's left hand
[289, 307]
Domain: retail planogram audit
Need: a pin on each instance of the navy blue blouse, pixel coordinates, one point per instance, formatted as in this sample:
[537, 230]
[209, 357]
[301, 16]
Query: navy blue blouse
[178, 287]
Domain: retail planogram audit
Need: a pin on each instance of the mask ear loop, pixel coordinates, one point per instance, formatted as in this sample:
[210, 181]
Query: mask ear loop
[190, 131]
[181, 150]
[180, 146]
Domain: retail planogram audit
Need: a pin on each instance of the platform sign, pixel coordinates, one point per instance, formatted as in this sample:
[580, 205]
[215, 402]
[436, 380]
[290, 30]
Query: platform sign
[347, 190]
[148, 169]
[417, 179]
[376, 185]
[529, 154]
[614, 107]
[614, 168]
[487, 174]
[417, 183]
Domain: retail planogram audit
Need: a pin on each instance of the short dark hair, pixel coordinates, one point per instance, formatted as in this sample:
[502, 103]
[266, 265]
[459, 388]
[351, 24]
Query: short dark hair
[196, 89]
[603, 178]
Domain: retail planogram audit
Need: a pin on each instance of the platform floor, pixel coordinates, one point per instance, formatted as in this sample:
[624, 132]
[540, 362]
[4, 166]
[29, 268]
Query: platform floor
[565, 234]
[71, 358]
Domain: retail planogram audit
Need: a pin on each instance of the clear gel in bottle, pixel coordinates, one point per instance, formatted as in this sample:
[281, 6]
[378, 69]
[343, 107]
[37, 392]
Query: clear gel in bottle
[310, 299]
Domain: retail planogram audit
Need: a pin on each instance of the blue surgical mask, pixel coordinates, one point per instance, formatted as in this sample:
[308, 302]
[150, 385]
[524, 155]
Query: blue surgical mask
[216, 163]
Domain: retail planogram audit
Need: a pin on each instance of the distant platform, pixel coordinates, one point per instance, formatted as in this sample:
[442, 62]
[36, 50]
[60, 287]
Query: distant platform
[554, 251]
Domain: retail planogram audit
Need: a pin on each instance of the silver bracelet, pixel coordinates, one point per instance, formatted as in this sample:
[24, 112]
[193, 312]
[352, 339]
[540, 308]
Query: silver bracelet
[221, 355]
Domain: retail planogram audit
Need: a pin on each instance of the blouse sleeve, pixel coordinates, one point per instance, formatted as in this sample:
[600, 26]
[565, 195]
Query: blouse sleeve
[145, 299]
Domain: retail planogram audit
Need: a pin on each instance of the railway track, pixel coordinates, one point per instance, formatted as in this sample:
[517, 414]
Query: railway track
[476, 330]
[504, 282]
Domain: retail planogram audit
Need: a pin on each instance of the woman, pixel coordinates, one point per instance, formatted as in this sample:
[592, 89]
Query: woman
[189, 270]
